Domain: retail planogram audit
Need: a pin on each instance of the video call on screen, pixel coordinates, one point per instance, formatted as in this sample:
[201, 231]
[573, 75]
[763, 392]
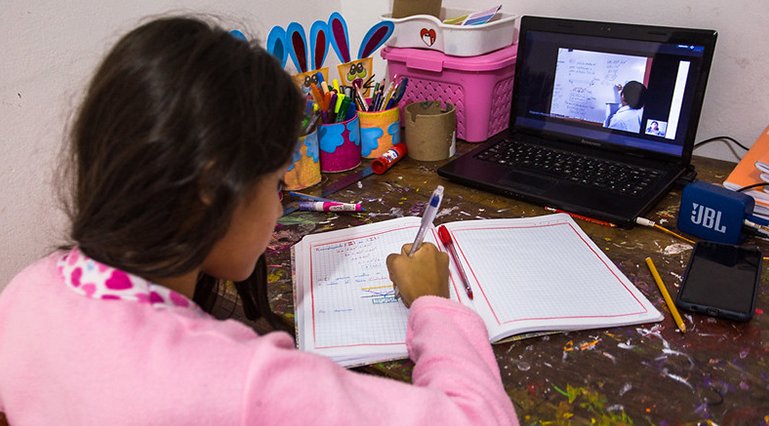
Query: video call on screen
[571, 85]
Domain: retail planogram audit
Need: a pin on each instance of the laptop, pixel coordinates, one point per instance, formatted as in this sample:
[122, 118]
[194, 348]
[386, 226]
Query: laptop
[603, 117]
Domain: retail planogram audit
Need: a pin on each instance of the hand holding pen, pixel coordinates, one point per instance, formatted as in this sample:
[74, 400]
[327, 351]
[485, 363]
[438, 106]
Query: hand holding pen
[428, 218]
[424, 274]
[416, 272]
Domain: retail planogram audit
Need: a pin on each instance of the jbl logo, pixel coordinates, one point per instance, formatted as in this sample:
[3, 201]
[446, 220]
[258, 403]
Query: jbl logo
[707, 218]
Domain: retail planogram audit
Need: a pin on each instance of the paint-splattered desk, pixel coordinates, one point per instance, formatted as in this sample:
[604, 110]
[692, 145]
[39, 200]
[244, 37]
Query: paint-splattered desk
[718, 370]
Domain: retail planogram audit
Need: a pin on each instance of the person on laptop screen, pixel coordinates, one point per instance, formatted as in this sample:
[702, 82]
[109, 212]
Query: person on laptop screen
[655, 129]
[626, 113]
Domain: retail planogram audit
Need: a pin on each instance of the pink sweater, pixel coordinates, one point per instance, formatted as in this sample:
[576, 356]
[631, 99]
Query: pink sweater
[66, 358]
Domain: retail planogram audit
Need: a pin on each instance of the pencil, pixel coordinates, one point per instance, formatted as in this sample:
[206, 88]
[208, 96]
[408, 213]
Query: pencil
[666, 295]
[581, 217]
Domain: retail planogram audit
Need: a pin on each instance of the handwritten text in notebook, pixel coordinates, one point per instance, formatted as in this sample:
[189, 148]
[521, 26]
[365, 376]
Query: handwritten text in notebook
[352, 296]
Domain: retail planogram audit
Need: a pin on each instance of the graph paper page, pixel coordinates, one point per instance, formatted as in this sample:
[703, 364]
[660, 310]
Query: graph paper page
[544, 273]
[349, 304]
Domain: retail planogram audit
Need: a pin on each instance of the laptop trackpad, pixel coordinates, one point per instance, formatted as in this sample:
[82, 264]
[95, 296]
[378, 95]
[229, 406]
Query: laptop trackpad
[531, 183]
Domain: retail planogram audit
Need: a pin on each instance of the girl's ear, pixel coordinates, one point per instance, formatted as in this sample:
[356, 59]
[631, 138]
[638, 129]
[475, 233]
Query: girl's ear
[206, 186]
[339, 38]
[297, 39]
[276, 45]
[375, 38]
[318, 43]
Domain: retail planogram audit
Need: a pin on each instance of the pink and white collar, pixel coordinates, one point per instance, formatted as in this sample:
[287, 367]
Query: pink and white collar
[96, 280]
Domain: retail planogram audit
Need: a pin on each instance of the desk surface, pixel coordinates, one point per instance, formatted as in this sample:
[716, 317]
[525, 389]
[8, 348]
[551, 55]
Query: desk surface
[718, 370]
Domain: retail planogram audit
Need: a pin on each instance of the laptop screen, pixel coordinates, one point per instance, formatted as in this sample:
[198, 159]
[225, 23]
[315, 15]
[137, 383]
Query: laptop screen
[631, 87]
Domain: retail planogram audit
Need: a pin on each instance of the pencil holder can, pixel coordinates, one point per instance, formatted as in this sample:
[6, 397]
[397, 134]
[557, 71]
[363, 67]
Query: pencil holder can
[430, 130]
[304, 171]
[379, 131]
[339, 145]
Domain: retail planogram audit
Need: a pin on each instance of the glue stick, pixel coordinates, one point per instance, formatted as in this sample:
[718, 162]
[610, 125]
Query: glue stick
[389, 158]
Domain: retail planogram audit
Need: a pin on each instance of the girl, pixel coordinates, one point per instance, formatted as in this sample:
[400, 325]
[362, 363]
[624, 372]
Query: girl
[178, 152]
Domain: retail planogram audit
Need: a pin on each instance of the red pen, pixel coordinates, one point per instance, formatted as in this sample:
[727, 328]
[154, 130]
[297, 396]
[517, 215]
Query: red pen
[445, 237]
[579, 216]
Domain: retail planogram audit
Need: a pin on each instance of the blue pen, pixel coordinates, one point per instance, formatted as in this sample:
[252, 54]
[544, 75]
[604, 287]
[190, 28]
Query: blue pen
[309, 197]
[398, 93]
[401, 89]
[428, 218]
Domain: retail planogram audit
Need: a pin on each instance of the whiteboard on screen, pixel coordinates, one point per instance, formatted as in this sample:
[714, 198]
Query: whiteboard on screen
[584, 82]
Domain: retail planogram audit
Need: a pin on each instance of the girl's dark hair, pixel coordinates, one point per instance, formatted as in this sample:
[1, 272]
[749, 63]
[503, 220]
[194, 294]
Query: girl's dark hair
[635, 94]
[179, 122]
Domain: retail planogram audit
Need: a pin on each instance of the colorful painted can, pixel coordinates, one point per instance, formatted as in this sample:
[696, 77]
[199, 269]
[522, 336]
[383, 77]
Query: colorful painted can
[304, 171]
[383, 163]
[339, 145]
[379, 131]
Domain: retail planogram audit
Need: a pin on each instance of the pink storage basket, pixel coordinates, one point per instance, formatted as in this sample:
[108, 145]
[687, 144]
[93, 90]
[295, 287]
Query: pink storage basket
[480, 87]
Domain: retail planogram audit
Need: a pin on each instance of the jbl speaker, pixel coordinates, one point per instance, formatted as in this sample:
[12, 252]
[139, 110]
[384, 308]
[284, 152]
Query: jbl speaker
[714, 213]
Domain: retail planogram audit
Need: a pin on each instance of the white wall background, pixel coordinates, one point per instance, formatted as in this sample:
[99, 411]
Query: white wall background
[50, 48]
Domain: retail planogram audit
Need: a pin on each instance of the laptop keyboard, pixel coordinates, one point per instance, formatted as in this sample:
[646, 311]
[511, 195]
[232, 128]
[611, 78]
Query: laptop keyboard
[603, 174]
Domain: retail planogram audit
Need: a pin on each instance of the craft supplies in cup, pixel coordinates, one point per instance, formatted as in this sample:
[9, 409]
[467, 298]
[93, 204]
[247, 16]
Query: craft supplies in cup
[430, 130]
[305, 166]
[339, 145]
[379, 131]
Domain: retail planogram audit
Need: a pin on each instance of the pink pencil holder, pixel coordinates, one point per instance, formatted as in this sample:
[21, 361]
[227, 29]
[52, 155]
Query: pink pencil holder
[304, 171]
[339, 145]
[379, 131]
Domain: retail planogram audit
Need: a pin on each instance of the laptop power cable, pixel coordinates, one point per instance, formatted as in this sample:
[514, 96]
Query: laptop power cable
[651, 224]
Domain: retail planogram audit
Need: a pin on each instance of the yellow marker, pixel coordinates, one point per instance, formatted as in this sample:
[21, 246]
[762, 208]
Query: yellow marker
[335, 84]
[666, 295]
[339, 98]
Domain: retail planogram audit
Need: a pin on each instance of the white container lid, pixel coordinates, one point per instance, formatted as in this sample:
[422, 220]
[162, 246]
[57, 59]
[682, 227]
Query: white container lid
[429, 32]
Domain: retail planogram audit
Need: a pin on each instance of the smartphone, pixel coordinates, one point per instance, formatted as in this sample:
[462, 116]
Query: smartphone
[721, 280]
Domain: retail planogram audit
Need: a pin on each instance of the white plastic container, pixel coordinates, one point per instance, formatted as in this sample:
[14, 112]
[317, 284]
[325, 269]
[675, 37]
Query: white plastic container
[429, 32]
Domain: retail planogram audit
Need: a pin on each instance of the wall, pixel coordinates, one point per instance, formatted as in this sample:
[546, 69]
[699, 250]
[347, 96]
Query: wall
[50, 49]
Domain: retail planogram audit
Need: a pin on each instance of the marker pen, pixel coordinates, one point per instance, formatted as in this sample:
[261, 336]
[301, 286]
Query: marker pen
[326, 206]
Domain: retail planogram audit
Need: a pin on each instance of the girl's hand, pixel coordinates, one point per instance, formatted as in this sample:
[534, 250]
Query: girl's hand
[424, 273]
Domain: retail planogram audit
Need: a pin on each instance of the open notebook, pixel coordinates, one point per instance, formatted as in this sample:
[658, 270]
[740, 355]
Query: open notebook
[527, 275]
